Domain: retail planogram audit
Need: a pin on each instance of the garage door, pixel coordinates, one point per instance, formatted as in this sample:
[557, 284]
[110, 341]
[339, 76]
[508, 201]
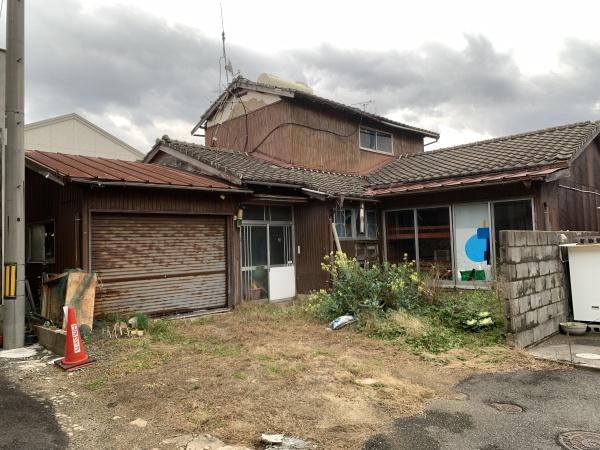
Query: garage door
[158, 264]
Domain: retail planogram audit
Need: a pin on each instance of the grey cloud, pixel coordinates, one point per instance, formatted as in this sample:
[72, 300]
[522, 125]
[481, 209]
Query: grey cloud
[124, 61]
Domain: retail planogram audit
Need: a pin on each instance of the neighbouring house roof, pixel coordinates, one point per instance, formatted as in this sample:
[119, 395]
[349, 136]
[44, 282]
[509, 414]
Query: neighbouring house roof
[92, 126]
[251, 169]
[527, 151]
[242, 83]
[104, 171]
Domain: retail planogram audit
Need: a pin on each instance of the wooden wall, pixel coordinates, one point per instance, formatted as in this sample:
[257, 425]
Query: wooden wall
[573, 210]
[313, 235]
[302, 145]
[47, 200]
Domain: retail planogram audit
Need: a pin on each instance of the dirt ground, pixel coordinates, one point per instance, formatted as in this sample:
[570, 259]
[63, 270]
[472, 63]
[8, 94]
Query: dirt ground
[259, 369]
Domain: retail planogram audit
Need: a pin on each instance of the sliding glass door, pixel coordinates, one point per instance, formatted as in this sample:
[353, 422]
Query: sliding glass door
[455, 242]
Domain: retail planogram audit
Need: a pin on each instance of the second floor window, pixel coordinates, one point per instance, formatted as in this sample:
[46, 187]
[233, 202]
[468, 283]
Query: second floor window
[376, 140]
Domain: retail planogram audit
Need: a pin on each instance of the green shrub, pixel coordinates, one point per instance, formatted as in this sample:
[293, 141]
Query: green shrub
[357, 290]
[143, 321]
[473, 310]
[163, 330]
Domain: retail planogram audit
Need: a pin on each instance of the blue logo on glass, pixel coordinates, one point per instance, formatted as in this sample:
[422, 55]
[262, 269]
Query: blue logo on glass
[476, 245]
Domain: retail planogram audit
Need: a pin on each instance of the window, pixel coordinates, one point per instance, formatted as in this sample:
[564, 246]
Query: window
[40, 243]
[511, 215]
[343, 223]
[435, 248]
[264, 213]
[347, 224]
[400, 235]
[376, 140]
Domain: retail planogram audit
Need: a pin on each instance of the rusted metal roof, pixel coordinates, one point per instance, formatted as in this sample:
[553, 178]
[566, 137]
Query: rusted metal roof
[451, 183]
[86, 169]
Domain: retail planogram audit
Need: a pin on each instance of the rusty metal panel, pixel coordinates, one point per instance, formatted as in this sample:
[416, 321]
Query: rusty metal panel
[87, 168]
[158, 264]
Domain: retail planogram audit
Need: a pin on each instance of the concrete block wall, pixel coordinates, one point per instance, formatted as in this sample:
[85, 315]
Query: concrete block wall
[532, 280]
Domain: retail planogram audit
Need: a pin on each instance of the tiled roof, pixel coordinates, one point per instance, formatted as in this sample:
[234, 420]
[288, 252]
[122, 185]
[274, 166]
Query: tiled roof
[113, 171]
[252, 169]
[243, 83]
[547, 147]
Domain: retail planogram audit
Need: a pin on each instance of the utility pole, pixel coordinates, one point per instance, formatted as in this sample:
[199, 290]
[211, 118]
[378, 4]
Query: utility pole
[14, 173]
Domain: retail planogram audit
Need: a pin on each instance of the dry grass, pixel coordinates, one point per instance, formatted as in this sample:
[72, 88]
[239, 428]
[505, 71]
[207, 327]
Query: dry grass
[267, 368]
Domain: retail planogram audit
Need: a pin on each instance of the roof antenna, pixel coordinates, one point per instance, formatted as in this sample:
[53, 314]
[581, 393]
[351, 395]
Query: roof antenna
[364, 104]
[227, 66]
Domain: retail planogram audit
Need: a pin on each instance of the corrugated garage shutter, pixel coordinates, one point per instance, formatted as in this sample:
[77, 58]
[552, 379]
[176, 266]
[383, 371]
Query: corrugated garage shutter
[158, 264]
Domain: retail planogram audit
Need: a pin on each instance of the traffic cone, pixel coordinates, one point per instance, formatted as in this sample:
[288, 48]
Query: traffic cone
[75, 355]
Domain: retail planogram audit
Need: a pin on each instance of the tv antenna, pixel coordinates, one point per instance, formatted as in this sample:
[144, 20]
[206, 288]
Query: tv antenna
[364, 104]
[227, 62]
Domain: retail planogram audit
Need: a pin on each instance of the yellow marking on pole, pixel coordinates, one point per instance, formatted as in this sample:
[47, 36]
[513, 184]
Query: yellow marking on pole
[10, 280]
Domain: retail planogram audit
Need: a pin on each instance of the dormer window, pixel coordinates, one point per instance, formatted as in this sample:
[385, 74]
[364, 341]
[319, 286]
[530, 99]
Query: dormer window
[376, 141]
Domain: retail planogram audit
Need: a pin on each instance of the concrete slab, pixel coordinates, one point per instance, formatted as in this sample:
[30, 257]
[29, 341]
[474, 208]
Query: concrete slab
[582, 351]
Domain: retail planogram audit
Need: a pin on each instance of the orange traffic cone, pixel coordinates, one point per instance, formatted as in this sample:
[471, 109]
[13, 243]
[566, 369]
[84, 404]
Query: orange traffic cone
[75, 355]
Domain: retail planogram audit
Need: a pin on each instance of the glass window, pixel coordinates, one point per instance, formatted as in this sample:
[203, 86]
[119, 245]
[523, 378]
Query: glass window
[281, 214]
[254, 239]
[40, 245]
[400, 235]
[376, 140]
[384, 142]
[280, 245]
[435, 251]
[254, 212]
[513, 215]
[371, 227]
[367, 139]
[343, 222]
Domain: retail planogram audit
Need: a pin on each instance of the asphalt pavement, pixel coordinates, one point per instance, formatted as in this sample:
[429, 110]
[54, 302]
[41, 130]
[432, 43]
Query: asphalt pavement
[26, 422]
[506, 411]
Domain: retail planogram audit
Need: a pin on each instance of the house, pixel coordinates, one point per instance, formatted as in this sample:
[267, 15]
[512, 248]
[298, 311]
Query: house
[251, 214]
[158, 238]
[73, 135]
[387, 197]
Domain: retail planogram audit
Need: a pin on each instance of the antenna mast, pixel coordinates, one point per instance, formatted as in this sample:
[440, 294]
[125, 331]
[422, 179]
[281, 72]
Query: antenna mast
[228, 68]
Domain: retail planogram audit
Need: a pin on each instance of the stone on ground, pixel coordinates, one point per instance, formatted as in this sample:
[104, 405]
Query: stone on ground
[205, 442]
[141, 423]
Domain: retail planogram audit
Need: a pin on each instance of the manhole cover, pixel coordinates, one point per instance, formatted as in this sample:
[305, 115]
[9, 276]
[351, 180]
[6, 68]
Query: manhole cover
[588, 355]
[509, 408]
[580, 440]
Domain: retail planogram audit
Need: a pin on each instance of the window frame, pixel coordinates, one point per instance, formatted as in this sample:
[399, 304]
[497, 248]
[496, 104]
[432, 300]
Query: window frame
[355, 235]
[376, 150]
[451, 205]
[43, 261]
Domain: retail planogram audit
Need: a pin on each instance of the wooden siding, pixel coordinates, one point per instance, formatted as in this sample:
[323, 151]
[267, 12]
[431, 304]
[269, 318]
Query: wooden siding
[571, 209]
[232, 133]
[304, 145]
[313, 236]
[158, 264]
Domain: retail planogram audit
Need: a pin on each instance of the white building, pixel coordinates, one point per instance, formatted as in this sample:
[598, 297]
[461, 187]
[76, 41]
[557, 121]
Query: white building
[74, 135]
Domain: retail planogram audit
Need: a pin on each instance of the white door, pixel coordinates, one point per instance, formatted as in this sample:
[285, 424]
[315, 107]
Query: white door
[472, 242]
[282, 274]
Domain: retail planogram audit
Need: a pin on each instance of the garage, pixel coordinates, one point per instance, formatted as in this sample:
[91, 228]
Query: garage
[158, 264]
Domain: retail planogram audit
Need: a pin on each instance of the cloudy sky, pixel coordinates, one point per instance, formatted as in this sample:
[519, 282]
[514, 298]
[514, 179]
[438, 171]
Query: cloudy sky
[468, 69]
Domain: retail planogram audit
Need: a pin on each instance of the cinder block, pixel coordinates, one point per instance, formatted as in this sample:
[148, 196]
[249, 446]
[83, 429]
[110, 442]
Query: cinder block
[531, 319]
[520, 238]
[524, 305]
[542, 238]
[522, 271]
[518, 323]
[513, 255]
[515, 289]
[534, 268]
[535, 300]
[540, 284]
[513, 305]
[546, 296]
[556, 294]
[507, 239]
[524, 339]
[531, 237]
[544, 267]
[528, 286]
